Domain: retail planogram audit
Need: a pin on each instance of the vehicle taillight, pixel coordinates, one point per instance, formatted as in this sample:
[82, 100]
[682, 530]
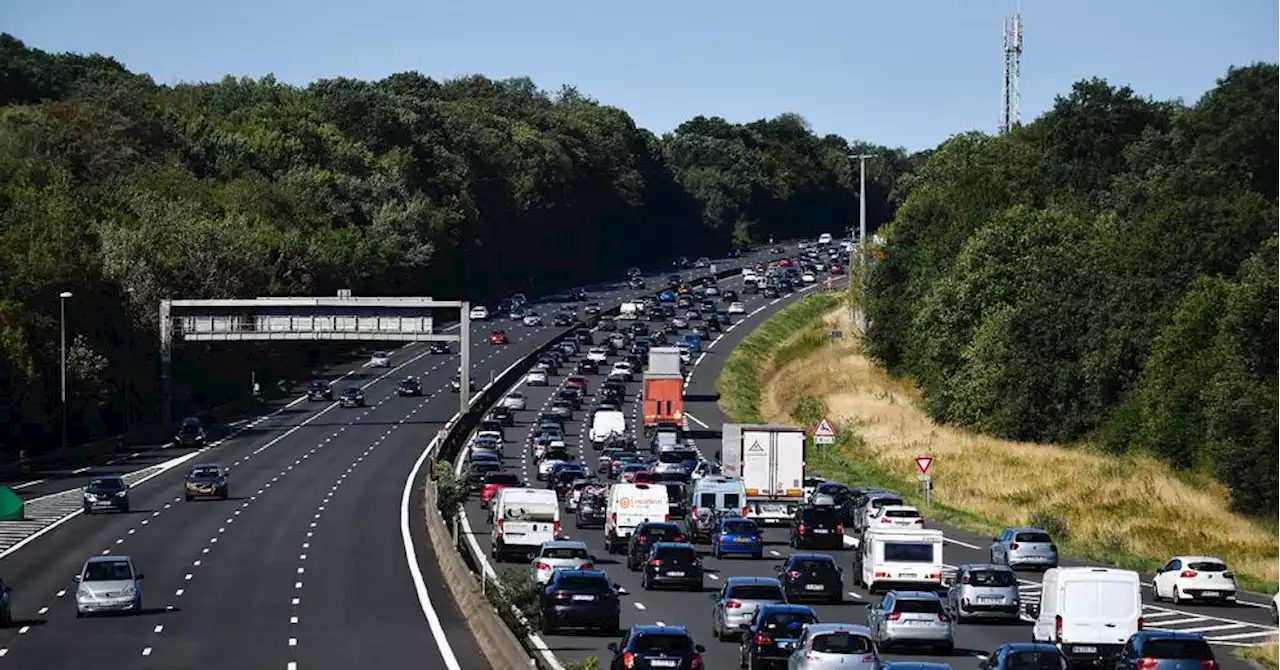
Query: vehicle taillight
[800, 529]
[500, 522]
[893, 616]
[1057, 629]
[555, 529]
[1140, 623]
[1188, 574]
[733, 605]
[840, 529]
[1148, 663]
[1208, 665]
[628, 660]
[1228, 575]
[964, 579]
[655, 562]
[763, 640]
[543, 566]
[697, 662]
[614, 517]
[666, 518]
[587, 566]
[1014, 546]
[1053, 548]
[794, 574]
[943, 617]
[745, 512]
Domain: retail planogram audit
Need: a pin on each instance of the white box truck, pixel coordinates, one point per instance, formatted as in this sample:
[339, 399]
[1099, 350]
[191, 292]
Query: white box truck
[770, 462]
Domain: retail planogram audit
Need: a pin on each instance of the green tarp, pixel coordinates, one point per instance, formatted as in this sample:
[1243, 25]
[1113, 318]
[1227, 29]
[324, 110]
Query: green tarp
[10, 505]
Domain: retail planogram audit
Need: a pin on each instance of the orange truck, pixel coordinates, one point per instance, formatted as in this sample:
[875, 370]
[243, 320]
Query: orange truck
[663, 390]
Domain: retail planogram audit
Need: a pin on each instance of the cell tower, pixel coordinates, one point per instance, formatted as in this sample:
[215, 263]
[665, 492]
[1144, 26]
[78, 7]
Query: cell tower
[1011, 111]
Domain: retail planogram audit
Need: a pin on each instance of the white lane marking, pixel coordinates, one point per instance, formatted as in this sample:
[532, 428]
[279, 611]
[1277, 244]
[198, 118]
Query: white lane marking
[159, 627]
[146, 651]
[639, 606]
[695, 420]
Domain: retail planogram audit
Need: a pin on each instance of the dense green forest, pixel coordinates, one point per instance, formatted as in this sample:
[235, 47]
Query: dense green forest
[124, 192]
[1107, 273]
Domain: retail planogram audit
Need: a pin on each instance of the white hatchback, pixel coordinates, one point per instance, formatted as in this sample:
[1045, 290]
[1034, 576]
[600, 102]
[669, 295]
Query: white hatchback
[536, 377]
[598, 354]
[480, 313]
[380, 359]
[1187, 578]
[737, 308]
[560, 555]
[514, 401]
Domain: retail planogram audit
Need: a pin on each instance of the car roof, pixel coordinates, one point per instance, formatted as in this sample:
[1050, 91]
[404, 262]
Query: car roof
[1031, 646]
[673, 545]
[915, 595]
[1027, 529]
[564, 544]
[1156, 634]
[1206, 559]
[824, 628]
[109, 558]
[984, 566]
[809, 555]
[600, 574]
[786, 608]
[656, 629]
[206, 465]
[749, 581]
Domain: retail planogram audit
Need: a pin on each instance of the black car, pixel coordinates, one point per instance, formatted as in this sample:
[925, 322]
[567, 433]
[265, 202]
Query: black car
[503, 415]
[771, 291]
[439, 348]
[570, 395]
[1027, 656]
[701, 332]
[207, 480]
[580, 599]
[565, 476]
[817, 527]
[562, 319]
[319, 389]
[476, 471]
[639, 328]
[106, 494]
[729, 295]
[190, 433]
[607, 323]
[352, 396]
[654, 646]
[645, 536]
[578, 294]
[806, 575]
[772, 635]
[636, 282]
[672, 564]
[584, 337]
[409, 386]
[591, 309]
[677, 502]
[590, 512]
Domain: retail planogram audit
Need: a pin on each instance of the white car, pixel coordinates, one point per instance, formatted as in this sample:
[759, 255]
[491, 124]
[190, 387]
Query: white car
[622, 369]
[808, 278]
[540, 447]
[380, 359]
[545, 467]
[514, 401]
[598, 354]
[536, 377]
[680, 322]
[896, 516]
[712, 291]
[737, 308]
[480, 313]
[1187, 578]
[560, 555]
[532, 319]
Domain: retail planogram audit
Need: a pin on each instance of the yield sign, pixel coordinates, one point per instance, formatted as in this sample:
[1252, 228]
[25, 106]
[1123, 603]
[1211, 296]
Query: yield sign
[923, 463]
[824, 429]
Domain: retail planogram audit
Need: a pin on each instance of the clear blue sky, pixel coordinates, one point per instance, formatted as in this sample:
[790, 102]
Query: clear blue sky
[896, 72]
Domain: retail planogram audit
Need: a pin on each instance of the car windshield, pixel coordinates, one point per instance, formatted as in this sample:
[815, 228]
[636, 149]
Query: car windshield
[820, 515]
[1035, 660]
[661, 643]
[991, 578]
[787, 622]
[106, 484]
[1033, 537]
[841, 643]
[744, 527]
[816, 564]
[584, 584]
[1207, 566]
[485, 466]
[877, 503]
[501, 478]
[756, 592]
[677, 456]
[206, 471]
[918, 606]
[564, 552]
[902, 513]
[107, 571]
[1197, 650]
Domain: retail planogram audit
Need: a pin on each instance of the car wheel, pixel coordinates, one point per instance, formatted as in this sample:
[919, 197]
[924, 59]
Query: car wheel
[79, 614]
[88, 510]
[1177, 596]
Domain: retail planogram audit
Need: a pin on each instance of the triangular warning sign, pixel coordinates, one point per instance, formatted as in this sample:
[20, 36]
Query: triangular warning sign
[755, 446]
[824, 429]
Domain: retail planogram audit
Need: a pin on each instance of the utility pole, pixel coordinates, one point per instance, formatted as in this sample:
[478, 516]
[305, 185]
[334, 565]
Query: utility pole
[62, 327]
[857, 313]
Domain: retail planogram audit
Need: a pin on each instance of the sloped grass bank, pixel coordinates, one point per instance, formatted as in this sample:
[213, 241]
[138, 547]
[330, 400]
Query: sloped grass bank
[1127, 511]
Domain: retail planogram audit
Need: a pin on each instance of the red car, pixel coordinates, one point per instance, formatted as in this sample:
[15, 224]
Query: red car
[494, 482]
[498, 337]
[576, 383]
[837, 269]
[784, 263]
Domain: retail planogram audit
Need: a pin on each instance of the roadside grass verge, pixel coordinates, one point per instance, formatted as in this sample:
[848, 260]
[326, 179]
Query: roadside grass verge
[1263, 655]
[1129, 511]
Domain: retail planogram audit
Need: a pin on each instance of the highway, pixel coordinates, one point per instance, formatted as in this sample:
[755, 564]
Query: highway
[304, 567]
[1226, 626]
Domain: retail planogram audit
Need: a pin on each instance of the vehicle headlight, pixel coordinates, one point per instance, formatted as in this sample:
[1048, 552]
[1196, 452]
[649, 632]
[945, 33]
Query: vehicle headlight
[129, 592]
[121, 494]
[82, 592]
[88, 496]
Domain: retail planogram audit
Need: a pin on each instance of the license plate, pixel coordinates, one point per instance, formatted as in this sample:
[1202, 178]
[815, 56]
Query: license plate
[814, 587]
[989, 599]
[584, 597]
[1085, 650]
[1210, 594]
[675, 573]
[906, 575]
[785, 644]
[822, 531]
[663, 663]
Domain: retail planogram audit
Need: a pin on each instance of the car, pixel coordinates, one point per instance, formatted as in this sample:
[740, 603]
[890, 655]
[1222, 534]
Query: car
[536, 377]
[808, 277]
[737, 307]
[532, 319]
[409, 386]
[1194, 578]
[380, 359]
[319, 389]
[455, 383]
[106, 493]
[984, 591]
[672, 563]
[503, 415]
[479, 313]
[809, 575]
[773, 634]
[499, 337]
[657, 646]
[592, 309]
[635, 282]
[494, 482]
[846, 646]
[6, 609]
[702, 262]
[109, 583]
[1025, 656]
[205, 480]
[514, 400]
[190, 433]
[598, 355]
[916, 618]
[732, 536]
[577, 295]
[737, 601]
[352, 396]
[770, 291]
[438, 347]
[645, 536]
[560, 555]
[896, 516]
[562, 319]
[1166, 649]
[1023, 547]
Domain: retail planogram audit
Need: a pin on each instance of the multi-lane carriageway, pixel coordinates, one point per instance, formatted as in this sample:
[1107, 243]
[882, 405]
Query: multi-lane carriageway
[1244, 624]
[306, 566]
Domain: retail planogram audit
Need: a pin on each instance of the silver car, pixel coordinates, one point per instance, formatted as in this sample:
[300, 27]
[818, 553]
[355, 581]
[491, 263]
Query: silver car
[560, 555]
[737, 602]
[1024, 547]
[911, 618]
[874, 501]
[984, 591]
[834, 646]
[108, 583]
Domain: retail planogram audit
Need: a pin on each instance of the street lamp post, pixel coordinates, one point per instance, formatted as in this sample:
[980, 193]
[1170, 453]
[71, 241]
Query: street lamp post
[860, 315]
[62, 326]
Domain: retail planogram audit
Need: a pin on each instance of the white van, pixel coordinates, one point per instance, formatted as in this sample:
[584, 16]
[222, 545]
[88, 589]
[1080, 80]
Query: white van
[712, 494]
[909, 558]
[1089, 613]
[630, 505]
[522, 520]
[605, 423]
[824, 238]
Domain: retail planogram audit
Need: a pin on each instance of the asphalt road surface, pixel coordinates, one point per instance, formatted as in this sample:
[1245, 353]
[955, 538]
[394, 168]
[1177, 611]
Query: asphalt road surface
[304, 567]
[1243, 624]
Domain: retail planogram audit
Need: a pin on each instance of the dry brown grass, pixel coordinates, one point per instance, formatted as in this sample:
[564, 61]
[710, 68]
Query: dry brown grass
[1112, 505]
[1263, 655]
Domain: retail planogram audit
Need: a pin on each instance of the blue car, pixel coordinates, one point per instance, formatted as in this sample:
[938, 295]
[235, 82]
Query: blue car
[693, 342]
[667, 296]
[737, 536]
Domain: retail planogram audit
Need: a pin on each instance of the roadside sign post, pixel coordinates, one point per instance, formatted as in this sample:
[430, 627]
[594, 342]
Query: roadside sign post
[825, 433]
[923, 463]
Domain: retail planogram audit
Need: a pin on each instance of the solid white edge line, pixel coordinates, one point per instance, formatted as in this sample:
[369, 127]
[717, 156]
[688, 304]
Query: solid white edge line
[411, 555]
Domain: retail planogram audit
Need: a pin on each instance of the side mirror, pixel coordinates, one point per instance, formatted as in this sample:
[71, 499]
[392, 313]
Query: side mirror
[777, 568]
[1033, 610]
[699, 648]
[141, 576]
[1159, 571]
[76, 578]
[995, 539]
[613, 647]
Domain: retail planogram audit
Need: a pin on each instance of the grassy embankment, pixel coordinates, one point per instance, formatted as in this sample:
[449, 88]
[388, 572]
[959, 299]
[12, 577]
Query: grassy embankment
[1263, 655]
[1130, 511]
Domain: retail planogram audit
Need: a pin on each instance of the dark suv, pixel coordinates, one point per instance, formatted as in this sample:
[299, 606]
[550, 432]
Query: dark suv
[645, 536]
[191, 433]
[817, 527]
[654, 646]
[806, 575]
[319, 389]
[672, 564]
[580, 599]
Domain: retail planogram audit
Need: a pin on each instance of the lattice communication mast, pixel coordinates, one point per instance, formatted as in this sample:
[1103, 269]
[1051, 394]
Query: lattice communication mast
[1011, 110]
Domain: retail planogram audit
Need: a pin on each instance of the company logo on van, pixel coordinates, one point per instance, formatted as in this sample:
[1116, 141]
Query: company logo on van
[625, 503]
[755, 446]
